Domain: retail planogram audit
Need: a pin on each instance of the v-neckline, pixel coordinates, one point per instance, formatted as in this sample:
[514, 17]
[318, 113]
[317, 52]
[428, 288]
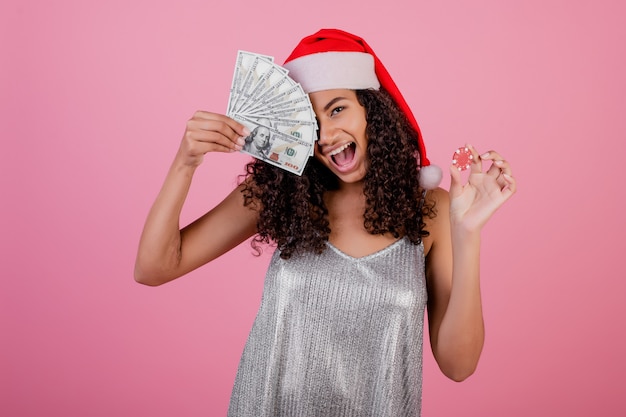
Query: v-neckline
[368, 256]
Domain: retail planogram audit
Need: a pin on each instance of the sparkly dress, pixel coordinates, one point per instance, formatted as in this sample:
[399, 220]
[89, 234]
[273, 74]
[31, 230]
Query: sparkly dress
[336, 336]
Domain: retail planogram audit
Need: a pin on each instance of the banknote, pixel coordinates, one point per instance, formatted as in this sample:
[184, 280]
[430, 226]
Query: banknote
[247, 71]
[268, 77]
[275, 109]
[273, 146]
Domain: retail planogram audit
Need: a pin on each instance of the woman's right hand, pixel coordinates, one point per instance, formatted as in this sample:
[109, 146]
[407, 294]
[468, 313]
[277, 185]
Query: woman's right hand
[210, 132]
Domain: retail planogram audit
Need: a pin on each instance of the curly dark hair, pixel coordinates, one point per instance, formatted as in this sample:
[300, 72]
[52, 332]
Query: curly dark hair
[291, 208]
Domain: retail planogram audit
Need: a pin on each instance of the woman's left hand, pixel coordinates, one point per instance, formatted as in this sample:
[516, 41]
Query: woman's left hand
[473, 203]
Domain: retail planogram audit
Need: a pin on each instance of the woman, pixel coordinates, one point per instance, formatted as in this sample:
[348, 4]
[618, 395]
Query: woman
[362, 246]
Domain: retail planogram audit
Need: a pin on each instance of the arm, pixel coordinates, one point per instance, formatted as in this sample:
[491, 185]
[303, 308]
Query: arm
[452, 269]
[165, 251]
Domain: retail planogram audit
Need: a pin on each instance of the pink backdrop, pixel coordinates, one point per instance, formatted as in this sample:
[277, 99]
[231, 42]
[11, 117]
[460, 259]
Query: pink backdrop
[94, 97]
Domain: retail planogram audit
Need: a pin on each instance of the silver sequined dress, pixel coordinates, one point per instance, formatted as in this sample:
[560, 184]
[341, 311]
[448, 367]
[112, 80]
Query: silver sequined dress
[336, 336]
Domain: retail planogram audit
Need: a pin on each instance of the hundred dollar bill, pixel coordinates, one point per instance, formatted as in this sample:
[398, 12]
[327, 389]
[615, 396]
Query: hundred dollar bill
[276, 110]
[286, 92]
[296, 132]
[275, 147]
[267, 76]
[296, 101]
[295, 113]
[234, 83]
[248, 76]
[276, 105]
[301, 131]
[299, 108]
[237, 77]
[244, 69]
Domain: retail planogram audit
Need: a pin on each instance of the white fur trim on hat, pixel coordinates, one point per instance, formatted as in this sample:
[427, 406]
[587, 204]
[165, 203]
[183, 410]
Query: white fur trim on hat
[332, 70]
[430, 177]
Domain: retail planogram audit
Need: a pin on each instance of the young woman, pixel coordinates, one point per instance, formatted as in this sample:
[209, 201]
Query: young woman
[364, 246]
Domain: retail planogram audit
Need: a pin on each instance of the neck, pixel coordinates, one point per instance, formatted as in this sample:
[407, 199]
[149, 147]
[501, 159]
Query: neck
[351, 187]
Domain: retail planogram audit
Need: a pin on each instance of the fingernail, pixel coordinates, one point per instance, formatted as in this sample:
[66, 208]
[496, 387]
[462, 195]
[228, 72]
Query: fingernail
[486, 154]
[241, 141]
[246, 131]
[238, 147]
[498, 162]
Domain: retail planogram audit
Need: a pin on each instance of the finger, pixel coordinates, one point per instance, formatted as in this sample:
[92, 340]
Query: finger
[239, 128]
[492, 155]
[211, 130]
[476, 166]
[215, 126]
[202, 147]
[217, 147]
[498, 167]
[501, 181]
[499, 164]
[511, 186]
[214, 140]
[456, 181]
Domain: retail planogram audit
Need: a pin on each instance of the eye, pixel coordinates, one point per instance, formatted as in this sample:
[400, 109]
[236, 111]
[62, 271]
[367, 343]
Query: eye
[336, 110]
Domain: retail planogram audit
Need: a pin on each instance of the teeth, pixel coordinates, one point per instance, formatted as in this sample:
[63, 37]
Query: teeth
[339, 149]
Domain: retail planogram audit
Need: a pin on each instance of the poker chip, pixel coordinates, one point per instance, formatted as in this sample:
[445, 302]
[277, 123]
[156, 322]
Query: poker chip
[462, 158]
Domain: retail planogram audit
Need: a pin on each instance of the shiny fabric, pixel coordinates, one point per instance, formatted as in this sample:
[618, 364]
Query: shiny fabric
[336, 336]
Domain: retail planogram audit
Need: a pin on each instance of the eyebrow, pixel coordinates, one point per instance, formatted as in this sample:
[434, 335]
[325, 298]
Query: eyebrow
[333, 101]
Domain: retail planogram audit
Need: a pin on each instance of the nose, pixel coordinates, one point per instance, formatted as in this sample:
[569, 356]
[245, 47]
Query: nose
[326, 133]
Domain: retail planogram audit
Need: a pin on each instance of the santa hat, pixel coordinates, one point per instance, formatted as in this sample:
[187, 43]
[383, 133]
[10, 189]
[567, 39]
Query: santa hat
[332, 58]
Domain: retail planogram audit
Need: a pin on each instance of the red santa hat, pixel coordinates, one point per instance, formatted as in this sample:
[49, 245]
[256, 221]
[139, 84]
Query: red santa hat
[332, 58]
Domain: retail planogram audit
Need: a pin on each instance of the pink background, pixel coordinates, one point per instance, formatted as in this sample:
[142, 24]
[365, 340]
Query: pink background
[94, 97]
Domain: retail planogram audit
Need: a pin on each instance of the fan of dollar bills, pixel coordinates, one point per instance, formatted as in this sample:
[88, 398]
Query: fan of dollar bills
[276, 110]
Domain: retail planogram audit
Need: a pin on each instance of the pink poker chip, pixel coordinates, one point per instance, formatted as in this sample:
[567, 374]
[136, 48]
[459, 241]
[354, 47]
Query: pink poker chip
[462, 158]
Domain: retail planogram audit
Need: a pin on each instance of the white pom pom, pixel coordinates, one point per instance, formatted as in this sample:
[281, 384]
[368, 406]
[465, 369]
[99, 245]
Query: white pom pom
[430, 177]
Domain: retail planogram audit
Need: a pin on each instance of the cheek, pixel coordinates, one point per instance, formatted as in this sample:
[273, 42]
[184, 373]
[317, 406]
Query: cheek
[359, 127]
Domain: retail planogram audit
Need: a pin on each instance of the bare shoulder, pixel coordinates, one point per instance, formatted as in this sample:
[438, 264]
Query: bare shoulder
[438, 195]
[438, 224]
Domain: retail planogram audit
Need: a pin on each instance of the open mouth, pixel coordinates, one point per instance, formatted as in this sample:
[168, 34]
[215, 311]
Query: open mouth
[343, 155]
